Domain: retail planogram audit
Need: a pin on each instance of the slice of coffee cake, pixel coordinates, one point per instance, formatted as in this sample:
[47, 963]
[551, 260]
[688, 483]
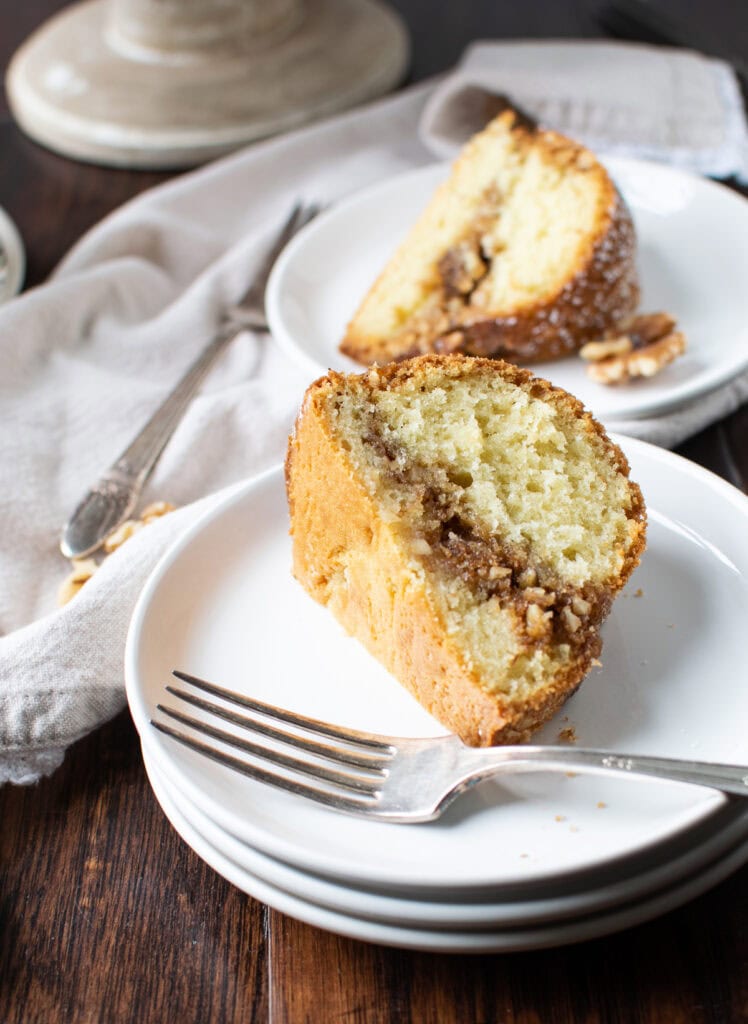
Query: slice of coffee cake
[525, 252]
[470, 524]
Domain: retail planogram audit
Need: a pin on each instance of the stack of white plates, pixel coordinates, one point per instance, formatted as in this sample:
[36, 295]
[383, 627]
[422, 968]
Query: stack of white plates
[516, 863]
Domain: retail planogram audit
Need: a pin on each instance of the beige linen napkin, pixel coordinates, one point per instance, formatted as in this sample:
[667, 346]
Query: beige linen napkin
[87, 357]
[654, 103]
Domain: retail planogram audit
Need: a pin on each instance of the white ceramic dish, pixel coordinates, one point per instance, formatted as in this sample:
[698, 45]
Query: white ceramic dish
[12, 246]
[222, 604]
[595, 891]
[692, 256]
[493, 940]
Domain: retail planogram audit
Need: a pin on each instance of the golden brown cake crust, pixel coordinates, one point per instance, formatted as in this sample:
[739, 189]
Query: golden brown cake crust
[387, 608]
[599, 292]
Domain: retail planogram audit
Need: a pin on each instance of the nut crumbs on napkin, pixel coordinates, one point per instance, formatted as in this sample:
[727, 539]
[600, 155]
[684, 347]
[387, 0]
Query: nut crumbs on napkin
[84, 568]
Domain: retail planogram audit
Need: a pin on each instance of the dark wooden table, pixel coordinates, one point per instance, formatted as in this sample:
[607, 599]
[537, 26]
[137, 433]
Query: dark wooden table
[107, 916]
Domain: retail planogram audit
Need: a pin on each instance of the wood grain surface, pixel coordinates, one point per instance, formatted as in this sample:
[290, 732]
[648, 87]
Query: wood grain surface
[106, 916]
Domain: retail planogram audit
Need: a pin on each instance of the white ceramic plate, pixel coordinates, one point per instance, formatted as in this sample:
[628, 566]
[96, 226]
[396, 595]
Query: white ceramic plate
[631, 880]
[222, 604]
[492, 940]
[13, 266]
[693, 262]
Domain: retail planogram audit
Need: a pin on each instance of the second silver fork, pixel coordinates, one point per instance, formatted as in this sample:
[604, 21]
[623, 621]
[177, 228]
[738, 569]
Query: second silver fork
[112, 499]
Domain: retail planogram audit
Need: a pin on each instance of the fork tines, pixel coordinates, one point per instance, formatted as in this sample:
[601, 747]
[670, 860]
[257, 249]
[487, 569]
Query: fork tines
[346, 768]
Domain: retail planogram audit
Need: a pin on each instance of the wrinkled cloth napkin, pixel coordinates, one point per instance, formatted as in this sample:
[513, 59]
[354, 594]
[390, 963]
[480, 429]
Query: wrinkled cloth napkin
[86, 358]
[654, 103]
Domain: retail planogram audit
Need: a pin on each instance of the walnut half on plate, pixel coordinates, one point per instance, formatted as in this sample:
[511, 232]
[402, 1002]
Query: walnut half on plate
[641, 348]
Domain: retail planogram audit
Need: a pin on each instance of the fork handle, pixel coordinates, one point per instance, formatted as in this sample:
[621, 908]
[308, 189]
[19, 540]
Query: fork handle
[138, 459]
[111, 500]
[484, 762]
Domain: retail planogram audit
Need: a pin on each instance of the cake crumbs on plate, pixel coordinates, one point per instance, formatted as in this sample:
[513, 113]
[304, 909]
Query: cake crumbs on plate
[601, 803]
[567, 735]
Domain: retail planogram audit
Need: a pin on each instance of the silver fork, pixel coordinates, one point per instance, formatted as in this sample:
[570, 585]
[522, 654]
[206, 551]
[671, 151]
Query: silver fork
[111, 500]
[386, 777]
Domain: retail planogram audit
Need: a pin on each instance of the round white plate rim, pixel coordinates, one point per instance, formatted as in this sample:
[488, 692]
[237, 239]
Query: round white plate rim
[11, 243]
[709, 380]
[420, 912]
[278, 847]
[468, 941]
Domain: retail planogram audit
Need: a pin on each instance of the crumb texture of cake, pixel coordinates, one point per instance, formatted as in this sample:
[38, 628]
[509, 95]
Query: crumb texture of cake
[526, 252]
[471, 525]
